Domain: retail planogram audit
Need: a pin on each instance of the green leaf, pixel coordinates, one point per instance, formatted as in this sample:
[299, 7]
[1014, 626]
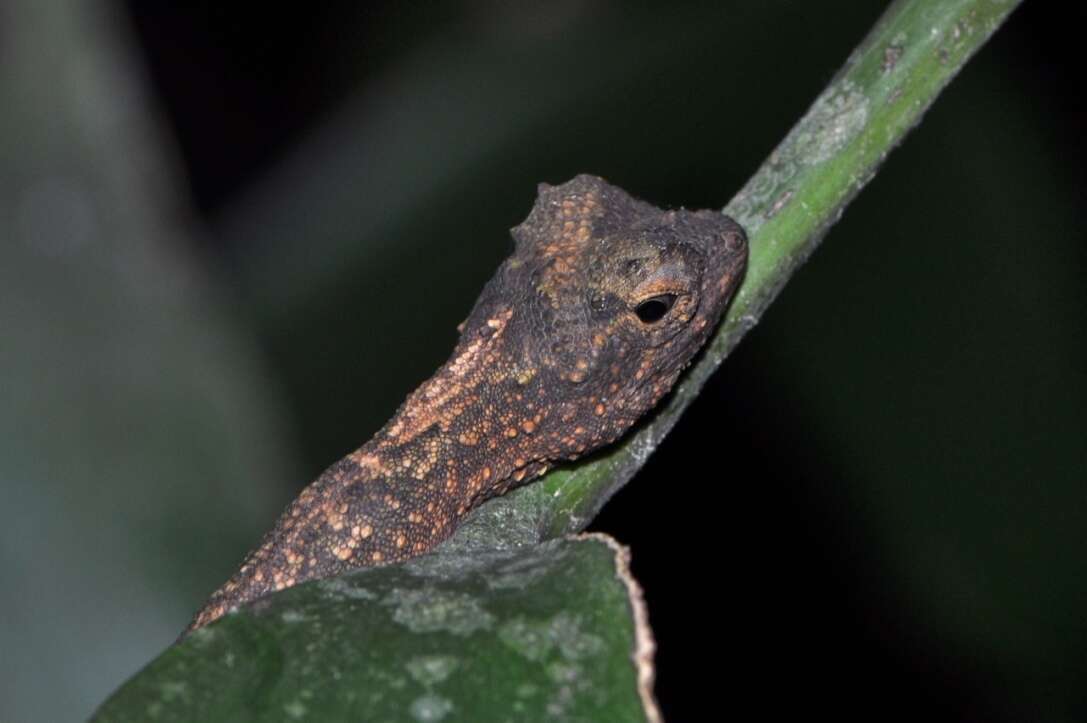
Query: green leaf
[542, 632]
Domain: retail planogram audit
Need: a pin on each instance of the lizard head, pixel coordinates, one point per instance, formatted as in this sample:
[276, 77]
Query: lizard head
[611, 298]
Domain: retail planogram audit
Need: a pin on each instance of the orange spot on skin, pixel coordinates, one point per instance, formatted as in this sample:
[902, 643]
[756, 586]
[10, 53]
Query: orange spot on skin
[376, 556]
[511, 432]
[371, 461]
[529, 426]
[600, 409]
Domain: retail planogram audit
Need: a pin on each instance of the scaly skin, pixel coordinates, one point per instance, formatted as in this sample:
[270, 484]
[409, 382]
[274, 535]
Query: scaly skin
[562, 353]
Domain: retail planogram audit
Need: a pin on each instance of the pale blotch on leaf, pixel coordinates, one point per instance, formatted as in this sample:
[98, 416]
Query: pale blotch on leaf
[295, 710]
[526, 638]
[523, 571]
[430, 707]
[174, 690]
[339, 588]
[292, 616]
[430, 611]
[432, 669]
[537, 639]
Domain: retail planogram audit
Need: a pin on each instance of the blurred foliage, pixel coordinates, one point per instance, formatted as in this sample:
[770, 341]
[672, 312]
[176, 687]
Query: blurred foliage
[139, 431]
[956, 410]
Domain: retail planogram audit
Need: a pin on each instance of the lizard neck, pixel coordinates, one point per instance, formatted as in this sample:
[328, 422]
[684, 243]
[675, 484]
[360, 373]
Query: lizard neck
[472, 430]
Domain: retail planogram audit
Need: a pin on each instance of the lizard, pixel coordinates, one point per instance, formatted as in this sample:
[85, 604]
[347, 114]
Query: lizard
[580, 332]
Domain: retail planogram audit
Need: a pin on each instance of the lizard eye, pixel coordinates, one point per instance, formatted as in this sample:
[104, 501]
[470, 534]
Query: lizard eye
[654, 308]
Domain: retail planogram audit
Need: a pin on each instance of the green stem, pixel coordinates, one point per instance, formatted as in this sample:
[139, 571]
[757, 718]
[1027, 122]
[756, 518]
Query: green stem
[886, 85]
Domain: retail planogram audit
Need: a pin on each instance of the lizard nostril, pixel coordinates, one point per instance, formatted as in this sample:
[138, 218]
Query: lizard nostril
[734, 241]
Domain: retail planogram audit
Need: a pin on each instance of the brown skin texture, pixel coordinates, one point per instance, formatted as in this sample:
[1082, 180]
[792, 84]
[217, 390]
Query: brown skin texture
[579, 333]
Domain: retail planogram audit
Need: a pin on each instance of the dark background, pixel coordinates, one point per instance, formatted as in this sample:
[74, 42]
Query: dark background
[877, 507]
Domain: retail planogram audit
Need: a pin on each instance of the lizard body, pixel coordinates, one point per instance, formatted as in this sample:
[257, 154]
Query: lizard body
[581, 331]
